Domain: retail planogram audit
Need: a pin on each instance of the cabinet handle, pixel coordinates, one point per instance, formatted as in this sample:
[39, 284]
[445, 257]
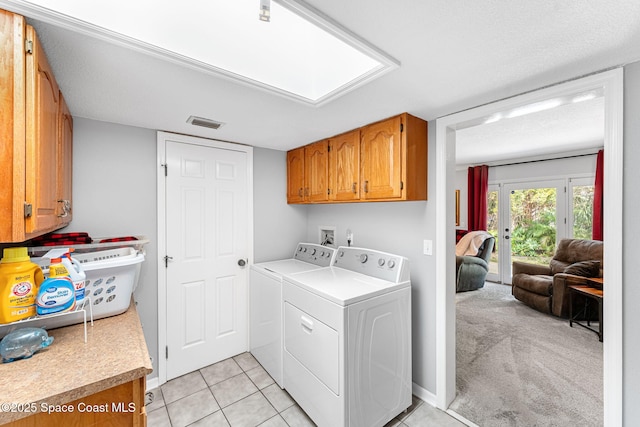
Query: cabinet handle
[366, 186]
[66, 208]
[306, 191]
[354, 187]
[300, 192]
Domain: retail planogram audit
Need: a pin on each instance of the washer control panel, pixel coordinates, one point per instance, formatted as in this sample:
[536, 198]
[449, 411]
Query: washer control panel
[373, 263]
[314, 254]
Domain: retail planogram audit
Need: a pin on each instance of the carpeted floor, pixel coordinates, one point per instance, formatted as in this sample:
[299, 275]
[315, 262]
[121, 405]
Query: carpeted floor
[519, 367]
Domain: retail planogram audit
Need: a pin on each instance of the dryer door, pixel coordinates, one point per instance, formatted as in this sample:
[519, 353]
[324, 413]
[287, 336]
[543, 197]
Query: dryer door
[313, 344]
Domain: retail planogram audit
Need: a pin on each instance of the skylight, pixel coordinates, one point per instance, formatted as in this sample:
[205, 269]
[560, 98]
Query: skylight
[300, 53]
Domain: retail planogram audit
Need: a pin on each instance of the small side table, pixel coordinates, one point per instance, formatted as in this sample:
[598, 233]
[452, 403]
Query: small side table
[589, 294]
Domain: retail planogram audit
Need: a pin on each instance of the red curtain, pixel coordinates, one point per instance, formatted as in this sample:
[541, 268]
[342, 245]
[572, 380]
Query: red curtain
[478, 186]
[598, 229]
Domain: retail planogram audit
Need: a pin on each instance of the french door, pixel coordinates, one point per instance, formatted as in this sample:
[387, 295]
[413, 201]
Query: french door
[532, 217]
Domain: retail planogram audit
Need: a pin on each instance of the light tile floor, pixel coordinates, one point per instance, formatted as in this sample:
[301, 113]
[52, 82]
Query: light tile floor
[238, 392]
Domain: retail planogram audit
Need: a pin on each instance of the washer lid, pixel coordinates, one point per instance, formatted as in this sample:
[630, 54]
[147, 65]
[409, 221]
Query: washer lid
[342, 286]
[286, 266]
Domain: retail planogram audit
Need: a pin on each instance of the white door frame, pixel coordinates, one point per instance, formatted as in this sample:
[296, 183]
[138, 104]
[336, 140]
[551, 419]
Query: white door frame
[612, 83]
[162, 137]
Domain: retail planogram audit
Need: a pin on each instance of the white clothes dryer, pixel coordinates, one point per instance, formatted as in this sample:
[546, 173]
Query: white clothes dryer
[265, 302]
[347, 339]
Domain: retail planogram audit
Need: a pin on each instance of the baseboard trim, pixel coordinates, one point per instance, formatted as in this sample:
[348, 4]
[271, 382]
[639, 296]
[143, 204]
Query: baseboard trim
[424, 394]
[152, 383]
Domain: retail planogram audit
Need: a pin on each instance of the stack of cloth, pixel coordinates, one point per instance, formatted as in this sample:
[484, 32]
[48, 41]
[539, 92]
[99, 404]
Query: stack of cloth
[75, 238]
[62, 239]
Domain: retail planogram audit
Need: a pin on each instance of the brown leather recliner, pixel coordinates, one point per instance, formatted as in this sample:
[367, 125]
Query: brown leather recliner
[546, 288]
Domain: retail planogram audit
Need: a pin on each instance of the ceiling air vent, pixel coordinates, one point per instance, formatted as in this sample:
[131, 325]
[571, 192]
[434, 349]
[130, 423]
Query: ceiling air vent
[201, 121]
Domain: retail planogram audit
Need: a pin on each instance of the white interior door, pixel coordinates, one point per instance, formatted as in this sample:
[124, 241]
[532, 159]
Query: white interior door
[207, 232]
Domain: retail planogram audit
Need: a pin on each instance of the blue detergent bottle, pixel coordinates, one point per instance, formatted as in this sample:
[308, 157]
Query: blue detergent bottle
[56, 293]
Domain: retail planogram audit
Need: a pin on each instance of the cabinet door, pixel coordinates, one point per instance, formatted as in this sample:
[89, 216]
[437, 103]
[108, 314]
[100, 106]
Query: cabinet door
[344, 166]
[65, 162]
[295, 175]
[380, 149]
[42, 106]
[316, 171]
[12, 127]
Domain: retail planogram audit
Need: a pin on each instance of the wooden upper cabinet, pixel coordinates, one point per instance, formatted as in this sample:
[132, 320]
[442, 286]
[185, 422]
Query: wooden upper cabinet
[42, 108]
[383, 161]
[344, 166]
[381, 167]
[316, 171]
[295, 175]
[65, 164]
[36, 132]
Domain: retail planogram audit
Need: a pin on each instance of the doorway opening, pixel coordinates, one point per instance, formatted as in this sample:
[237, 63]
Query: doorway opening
[611, 83]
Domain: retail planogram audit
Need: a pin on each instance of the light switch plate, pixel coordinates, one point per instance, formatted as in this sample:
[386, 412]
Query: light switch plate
[427, 247]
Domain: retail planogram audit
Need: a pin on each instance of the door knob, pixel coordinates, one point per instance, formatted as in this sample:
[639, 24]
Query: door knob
[242, 262]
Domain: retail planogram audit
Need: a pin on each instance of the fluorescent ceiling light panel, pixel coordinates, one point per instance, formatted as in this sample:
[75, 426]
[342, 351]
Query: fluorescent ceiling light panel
[300, 53]
[535, 107]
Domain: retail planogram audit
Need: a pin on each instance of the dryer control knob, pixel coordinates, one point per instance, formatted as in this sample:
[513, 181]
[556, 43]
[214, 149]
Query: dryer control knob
[363, 258]
[381, 262]
[327, 255]
[341, 254]
[313, 251]
[391, 263]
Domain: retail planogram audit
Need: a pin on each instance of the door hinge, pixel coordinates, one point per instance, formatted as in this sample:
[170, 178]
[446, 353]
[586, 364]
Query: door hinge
[166, 260]
[164, 165]
[28, 46]
[328, 148]
[166, 352]
[401, 127]
[328, 191]
[401, 185]
[28, 210]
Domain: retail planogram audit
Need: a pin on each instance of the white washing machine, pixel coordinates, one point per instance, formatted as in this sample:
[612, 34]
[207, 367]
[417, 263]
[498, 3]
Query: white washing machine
[347, 339]
[265, 302]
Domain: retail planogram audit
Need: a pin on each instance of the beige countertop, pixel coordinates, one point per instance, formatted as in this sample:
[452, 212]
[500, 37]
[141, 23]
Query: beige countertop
[70, 369]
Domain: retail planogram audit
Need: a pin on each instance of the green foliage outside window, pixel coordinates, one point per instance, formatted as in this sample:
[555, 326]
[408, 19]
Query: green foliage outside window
[533, 227]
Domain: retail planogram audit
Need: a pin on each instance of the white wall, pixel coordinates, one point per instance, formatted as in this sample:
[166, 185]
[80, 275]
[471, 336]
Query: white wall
[278, 227]
[114, 194]
[560, 168]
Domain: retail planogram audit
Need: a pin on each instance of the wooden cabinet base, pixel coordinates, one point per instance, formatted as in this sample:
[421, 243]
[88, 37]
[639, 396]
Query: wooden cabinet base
[118, 406]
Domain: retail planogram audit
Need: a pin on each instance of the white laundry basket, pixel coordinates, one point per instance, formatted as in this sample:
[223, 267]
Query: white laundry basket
[112, 270]
[112, 276]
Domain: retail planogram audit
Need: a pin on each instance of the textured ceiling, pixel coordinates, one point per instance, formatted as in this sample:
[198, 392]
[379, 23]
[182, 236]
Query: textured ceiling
[454, 55]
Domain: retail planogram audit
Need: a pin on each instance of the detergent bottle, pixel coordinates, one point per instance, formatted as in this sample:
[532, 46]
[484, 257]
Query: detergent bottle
[56, 293]
[77, 276]
[19, 282]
